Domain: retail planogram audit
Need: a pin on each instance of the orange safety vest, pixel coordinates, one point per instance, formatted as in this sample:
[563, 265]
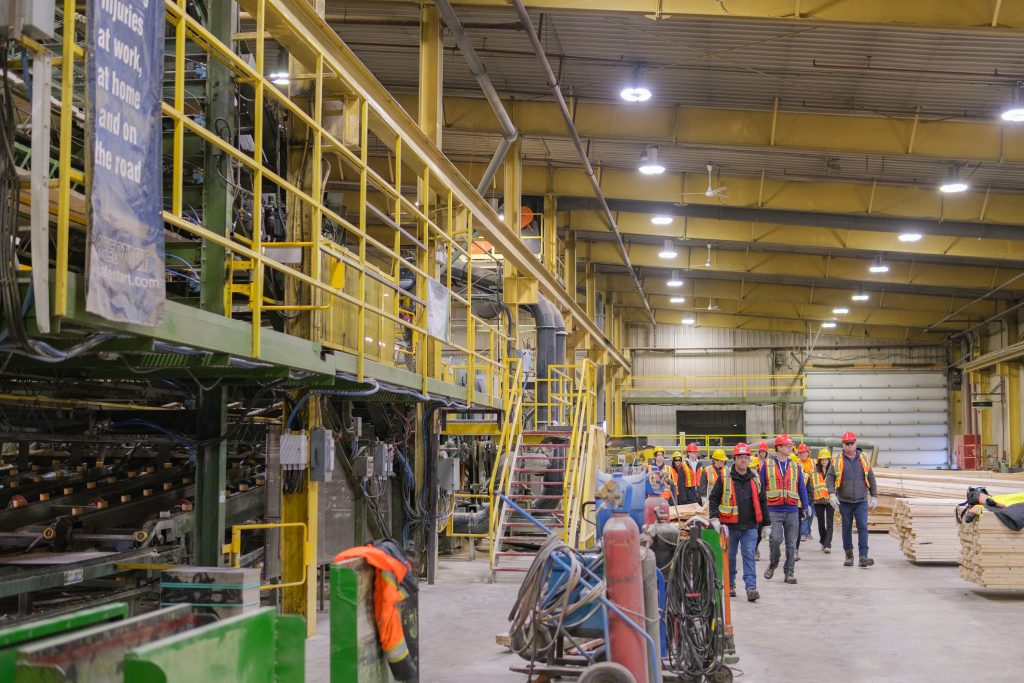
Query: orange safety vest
[837, 463]
[711, 474]
[386, 596]
[728, 511]
[691, 476]
[819, 491]
[789, 492]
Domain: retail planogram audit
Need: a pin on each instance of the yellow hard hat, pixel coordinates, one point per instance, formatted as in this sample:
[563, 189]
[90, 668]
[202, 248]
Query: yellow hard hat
[659, 449]
[677, 454]
[755, 461]
[824, 454]
[719, 454]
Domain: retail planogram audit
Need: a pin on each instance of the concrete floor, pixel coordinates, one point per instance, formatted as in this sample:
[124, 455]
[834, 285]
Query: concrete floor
[892, 622]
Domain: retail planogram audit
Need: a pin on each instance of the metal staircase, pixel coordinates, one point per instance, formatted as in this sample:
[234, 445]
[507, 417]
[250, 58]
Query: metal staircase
[546, 474]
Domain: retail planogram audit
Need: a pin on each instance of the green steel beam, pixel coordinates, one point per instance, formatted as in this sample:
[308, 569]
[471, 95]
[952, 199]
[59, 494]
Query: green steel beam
[211, 476]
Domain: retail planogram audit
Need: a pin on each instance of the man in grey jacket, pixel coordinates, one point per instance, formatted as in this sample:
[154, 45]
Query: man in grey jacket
[852, 491]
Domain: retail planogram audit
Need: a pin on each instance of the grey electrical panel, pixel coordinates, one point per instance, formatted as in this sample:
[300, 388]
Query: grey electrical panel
[321, 454]
[363, 466]
[383, 460]
[448, 474]
[33, 18]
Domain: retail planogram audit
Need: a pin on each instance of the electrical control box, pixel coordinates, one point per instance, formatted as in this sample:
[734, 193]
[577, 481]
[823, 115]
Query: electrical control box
[321, 454]
[364, 466]
[294, 451]
[383, 460]
[448, 474]
[33, 18]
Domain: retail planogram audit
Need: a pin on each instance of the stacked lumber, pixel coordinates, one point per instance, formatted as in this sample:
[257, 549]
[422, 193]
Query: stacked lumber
[907, 483]
[683, 513]
[880, 519]
[927, 529]
[991, 555]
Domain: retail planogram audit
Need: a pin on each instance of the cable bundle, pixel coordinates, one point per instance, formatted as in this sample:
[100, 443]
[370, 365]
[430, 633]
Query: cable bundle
[539, 615]
[695, 627]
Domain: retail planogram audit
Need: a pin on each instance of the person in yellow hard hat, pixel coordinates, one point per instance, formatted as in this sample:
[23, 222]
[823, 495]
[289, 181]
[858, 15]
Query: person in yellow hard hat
[817, 490]
[712, 472]
[803, 455]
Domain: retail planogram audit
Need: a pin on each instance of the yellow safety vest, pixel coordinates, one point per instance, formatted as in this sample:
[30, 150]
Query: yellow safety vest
[837, 463]
[789, 491]
[819, 491]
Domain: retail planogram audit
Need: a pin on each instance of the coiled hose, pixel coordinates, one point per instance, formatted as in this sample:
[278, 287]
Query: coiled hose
[694, 624]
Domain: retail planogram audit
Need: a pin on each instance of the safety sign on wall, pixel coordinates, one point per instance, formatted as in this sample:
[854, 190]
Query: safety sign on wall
[125, 268]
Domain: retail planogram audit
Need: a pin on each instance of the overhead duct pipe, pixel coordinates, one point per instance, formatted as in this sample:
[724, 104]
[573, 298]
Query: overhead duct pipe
[538, 49]
[550, 336]
[508, 129]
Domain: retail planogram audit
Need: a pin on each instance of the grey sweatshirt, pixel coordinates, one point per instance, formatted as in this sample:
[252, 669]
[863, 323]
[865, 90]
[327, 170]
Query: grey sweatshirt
[852, 489]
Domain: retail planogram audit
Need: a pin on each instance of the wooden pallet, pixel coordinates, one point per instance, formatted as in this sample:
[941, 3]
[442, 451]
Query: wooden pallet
[991, 555]
[926, 529]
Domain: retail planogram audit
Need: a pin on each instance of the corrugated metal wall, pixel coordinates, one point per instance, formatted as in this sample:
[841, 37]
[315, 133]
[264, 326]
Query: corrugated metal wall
[677, 350]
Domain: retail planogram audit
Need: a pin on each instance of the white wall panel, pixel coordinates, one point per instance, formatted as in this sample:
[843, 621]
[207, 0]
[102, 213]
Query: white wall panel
[904, 413]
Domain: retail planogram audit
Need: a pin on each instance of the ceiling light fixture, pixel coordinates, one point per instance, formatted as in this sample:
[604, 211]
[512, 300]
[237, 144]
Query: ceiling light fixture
[677, 300]
[636, 91]
[878, 266]
[954, 183]
[279, 76]
[661, 220]
[674, 280]
[910, 237]
[829, 325]
[689, 320]
[860, 295]
[1015, 112]
[841, 310]
[667, 250]
[649, 161]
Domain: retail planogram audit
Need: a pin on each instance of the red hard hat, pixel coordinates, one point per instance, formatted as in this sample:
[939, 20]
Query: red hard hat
[763, 446]
[741, 449]
[803, 448]
[848, 436]
[692, 448]
[783, 440]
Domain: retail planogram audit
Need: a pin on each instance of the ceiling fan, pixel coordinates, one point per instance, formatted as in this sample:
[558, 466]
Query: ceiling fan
[712, 191]
[708, 263]
[712, 306]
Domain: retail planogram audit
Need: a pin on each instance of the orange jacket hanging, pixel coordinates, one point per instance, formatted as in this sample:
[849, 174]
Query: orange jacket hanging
[386, 596]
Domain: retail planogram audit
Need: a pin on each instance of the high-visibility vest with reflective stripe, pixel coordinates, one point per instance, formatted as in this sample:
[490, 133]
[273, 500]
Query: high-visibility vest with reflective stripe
[728, 510]
[711, 474]
[837, 463]
[819, 491]
[789, 492]
[689, 475]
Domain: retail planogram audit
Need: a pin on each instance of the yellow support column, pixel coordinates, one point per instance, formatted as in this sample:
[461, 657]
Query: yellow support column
[301, 507]
[518, 289]
[549, 233]
[1011, 372]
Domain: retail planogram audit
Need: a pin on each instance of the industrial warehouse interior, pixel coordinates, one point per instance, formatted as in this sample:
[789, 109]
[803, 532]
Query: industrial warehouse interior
[449, 341]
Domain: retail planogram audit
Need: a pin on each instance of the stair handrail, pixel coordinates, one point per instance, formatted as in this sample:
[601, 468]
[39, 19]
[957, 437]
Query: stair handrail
[578, 462]
[508, 444]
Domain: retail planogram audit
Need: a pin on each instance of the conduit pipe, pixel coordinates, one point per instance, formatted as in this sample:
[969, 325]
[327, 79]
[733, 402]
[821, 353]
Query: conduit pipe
[538, 49]
[508, 129]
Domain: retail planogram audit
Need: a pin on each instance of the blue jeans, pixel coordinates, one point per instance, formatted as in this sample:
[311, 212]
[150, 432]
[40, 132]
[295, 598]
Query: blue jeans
[805, 526]
[746, 542]
[850, 512]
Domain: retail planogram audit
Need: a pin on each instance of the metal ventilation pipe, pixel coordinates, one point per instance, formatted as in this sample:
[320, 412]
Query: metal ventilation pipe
[550, 347]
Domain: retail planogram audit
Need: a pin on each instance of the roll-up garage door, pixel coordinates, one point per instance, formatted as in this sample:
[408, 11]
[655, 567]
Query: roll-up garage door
[905, 413]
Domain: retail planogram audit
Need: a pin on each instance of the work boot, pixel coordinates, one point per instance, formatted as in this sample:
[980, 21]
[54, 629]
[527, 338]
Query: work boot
[849, 559]
[752, 595]
[866, 561]
[790, 578]
[770, 572]
[732, 592]
[825, 549]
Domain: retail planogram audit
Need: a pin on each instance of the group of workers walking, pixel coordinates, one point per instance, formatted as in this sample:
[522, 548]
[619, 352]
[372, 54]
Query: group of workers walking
[784, 492]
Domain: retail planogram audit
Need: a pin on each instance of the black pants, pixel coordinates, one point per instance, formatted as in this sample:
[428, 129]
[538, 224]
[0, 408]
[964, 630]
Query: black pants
[826, 518]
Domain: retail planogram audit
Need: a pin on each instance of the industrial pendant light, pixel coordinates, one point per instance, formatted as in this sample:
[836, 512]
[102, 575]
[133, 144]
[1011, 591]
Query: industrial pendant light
[878, 266]
[667, 250]
[954, 183]
[279, 76]
[828, 324]
[674, 280]
[661, 220]
[689, 320]
[860, 295]
[636, 91]
[649, 161]
[1015, 112]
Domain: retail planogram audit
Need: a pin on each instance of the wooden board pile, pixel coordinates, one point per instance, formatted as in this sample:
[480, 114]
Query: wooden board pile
[927, 529]
[880, 519]
[683, 513]
[991, 555]
[908, 483]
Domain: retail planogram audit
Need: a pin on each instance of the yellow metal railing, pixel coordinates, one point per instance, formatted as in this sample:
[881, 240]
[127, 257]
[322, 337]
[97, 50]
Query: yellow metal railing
[508, 444]
[732, 386]
[234, 549]
[348, 287]
[580, 466]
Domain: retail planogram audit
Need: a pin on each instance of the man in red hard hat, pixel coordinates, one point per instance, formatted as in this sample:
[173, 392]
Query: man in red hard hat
[737, 500]
[852, 491]
[786, 492]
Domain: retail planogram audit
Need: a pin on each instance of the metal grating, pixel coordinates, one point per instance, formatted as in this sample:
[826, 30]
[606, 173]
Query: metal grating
[336, 515]
[272, 537]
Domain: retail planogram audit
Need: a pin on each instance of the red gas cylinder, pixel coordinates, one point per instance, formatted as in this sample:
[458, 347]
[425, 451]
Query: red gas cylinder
[655, 510]
[626, 589]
